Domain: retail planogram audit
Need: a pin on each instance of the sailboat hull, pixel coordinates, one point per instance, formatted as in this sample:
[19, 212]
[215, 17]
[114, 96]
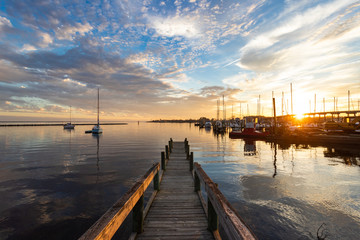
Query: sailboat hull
[69, 126]
[97, 130]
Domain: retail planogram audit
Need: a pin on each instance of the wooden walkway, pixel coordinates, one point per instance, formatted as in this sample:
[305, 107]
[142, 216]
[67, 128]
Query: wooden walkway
[176, 209]
[176, 212]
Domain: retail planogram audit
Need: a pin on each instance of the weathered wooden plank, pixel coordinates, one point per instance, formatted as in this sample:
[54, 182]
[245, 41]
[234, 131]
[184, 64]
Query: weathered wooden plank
[174, 208]
[179, 216]
[190, 198]
[176, 224]
[175, 232]
[202, 237]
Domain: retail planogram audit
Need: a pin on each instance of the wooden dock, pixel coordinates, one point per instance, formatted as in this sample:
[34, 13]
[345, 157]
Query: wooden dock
[176, 212]
[177, 208]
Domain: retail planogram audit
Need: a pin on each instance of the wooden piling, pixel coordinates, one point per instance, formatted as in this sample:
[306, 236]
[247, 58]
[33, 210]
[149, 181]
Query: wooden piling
[213, 220]
[138, 221]
[187, 150]
[167, 151]
[191, 161]
[163, 164]
[157, 182]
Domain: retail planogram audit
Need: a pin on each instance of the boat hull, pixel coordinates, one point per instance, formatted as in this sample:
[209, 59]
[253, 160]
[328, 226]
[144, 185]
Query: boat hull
[248, 133]
[96, 130]
[69, 126]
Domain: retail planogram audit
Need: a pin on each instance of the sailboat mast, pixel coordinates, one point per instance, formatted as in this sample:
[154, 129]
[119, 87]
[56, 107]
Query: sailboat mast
[98, 122]
[70, 114]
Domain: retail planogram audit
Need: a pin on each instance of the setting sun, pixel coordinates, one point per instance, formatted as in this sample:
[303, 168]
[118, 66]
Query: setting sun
[299, 116]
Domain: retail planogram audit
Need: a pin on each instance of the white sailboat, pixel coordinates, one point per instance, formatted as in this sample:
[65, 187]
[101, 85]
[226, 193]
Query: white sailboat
[97, 129]
[69, 125]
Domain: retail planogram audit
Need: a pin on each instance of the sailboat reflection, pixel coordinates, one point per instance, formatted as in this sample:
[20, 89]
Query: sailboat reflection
[275, 158]
[69, 130]
[97, 136]
[249, 148]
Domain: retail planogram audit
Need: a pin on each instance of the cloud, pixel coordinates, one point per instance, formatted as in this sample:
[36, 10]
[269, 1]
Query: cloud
[28, 48]
[46, 39]
[315, 49]
[143, 54]
[69, 32]
[176, 26]
[72, 77]
[74, 82]
[5, 22]
[266, 50]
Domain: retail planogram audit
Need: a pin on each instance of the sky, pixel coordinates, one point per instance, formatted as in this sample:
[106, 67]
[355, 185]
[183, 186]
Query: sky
[176, 59]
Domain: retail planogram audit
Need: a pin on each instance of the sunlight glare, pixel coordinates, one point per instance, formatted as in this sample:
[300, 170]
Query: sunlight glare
[299, 116]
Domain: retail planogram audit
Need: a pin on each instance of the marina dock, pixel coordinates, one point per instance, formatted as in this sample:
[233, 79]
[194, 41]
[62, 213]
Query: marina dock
[185, 204]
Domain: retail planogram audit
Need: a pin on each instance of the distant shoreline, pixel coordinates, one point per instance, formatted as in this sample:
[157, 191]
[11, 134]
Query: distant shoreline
[175, 121]
[50, 124]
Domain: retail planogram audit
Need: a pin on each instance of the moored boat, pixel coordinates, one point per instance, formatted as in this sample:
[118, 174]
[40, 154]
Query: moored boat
[96, 129]
[248, 132]
[69, 125]
[207, 125]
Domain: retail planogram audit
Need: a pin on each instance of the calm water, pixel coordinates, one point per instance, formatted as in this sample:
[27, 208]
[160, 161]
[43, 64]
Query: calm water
[55, 183]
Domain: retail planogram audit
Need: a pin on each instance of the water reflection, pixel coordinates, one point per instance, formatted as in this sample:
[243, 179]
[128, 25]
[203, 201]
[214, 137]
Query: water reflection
[65, 179]
[97, 136]
[336, 154]
[347, 157]
[249, 147]
[274, 145]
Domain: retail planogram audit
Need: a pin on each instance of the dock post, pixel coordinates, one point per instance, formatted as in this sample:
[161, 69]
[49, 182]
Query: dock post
[197, 182]
[170, 147]
[138, 222]
[156, 182]
[163, 165]
[213, 220]
[167, 151]
[187, 151]
[191, 161]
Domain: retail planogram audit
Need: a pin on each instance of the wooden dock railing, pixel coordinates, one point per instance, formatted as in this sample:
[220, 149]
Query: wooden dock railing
[133, 200]
[218, 210]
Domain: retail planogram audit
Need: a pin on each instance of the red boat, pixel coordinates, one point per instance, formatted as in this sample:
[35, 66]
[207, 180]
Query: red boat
[248, 132]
